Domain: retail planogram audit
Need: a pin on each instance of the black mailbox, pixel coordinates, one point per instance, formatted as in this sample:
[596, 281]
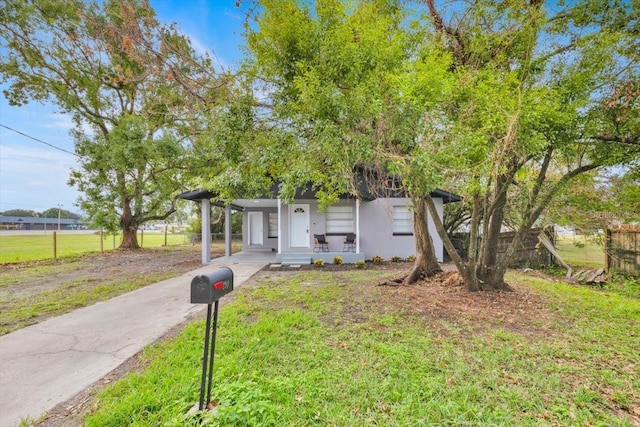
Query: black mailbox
[209, 288]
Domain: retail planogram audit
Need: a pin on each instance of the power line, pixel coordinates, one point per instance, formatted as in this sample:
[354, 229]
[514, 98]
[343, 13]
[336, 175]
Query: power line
[39, 140]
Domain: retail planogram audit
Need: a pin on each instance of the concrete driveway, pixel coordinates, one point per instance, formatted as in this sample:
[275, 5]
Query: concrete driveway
[48, 363]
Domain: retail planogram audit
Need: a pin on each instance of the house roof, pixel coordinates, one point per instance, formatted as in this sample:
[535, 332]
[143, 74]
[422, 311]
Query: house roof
[304, 193]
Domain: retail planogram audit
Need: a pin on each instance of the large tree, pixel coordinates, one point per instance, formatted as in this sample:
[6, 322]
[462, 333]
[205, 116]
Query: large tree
[545, 93]
[341, 102]
[505, 102]
[130, 85]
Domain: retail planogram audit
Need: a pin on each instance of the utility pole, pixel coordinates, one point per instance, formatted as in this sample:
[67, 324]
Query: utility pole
[59, 208]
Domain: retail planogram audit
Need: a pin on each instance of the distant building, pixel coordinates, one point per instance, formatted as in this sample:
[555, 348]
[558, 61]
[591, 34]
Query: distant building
[35, 223]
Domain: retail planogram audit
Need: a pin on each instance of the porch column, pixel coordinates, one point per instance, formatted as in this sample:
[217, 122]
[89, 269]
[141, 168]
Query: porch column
[227, 230]
[279, 225]
[206, 230]
[357, 226]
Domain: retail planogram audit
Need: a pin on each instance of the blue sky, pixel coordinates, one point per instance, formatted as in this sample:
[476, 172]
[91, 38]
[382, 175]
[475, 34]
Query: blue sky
[33, 175]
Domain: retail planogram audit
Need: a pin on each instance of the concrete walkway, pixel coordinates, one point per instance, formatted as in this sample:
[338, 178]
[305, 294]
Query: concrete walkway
[48, 363]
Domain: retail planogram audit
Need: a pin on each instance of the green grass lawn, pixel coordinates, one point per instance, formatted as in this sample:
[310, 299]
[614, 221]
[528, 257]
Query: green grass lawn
[578, 251]
[32, 247]
[333, 349]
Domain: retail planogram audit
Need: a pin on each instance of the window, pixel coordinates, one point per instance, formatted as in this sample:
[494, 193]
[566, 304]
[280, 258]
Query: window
[273, 224]
[402, 221]
[339, 220]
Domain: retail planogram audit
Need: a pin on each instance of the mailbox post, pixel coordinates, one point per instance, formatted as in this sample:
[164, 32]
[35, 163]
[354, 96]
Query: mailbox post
[208, 289]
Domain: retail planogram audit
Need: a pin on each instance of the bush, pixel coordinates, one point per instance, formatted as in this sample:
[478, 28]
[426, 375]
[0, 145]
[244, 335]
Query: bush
[396, 259]
[337, 260]
[377, 259]
[359, 263]
[411, 258]
[318, 262]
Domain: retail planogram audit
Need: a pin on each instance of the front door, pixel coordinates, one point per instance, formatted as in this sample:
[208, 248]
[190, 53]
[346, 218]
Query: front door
[255, 228]
[299, 226]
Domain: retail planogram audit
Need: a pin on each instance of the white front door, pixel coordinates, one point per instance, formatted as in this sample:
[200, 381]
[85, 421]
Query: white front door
[299, 226]
[255, 228]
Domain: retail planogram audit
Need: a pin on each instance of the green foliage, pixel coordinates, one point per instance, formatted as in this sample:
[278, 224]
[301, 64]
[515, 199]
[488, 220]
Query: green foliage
[411, 258]
[337, 78]
[20, 212]
[130, 85]
[337, 260]
[396, 258]
[360, 263]
[505, 107]
[49, 213]
[624, 285]
[241, 403]
[377, 259]
[319, 262]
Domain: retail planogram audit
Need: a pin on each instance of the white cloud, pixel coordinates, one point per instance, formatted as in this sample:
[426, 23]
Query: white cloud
[59, 121]
[64, 122]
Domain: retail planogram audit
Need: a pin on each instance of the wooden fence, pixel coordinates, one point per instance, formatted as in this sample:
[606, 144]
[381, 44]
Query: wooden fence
[530, 253]
[622, 249]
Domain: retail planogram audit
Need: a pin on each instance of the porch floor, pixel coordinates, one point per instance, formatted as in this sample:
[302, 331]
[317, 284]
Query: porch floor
[249, 257]
[327, 257]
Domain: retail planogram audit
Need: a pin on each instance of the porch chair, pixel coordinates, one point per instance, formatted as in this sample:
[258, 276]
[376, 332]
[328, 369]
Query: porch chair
[320, 243]
[349, 243]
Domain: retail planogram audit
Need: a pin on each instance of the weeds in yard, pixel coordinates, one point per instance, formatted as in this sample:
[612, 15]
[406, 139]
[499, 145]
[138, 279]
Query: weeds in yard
[624, 284]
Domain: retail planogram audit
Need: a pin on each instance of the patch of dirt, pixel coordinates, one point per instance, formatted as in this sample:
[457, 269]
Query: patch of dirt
[28, 281]
[97, 268]
[444, 297]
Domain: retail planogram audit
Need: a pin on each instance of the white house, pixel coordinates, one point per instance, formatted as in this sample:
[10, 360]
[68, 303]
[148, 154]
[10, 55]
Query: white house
[383, 226]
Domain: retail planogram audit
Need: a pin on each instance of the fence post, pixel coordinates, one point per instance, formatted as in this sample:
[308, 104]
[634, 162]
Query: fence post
[55, 245]
[142, 238]
[101, 242]
[607, 249]
[165, 234]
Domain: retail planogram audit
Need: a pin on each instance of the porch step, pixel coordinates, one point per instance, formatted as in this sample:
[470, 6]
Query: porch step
[295, 259]
[258, 250]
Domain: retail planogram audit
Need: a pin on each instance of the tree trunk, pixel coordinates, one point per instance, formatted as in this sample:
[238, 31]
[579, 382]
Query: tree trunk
[426, 263]
[467, 274]
[470, 270]
[129, 229]
[490, 276]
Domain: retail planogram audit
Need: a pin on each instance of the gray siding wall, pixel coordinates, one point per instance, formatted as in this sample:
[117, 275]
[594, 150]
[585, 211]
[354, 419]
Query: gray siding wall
[376, 230]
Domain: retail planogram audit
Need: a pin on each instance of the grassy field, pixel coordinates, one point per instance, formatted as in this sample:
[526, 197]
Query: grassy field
[32, 247]
[333, 349]
[579, 251]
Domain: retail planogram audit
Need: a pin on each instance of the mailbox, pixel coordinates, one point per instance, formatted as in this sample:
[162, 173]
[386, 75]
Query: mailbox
[209, 288]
